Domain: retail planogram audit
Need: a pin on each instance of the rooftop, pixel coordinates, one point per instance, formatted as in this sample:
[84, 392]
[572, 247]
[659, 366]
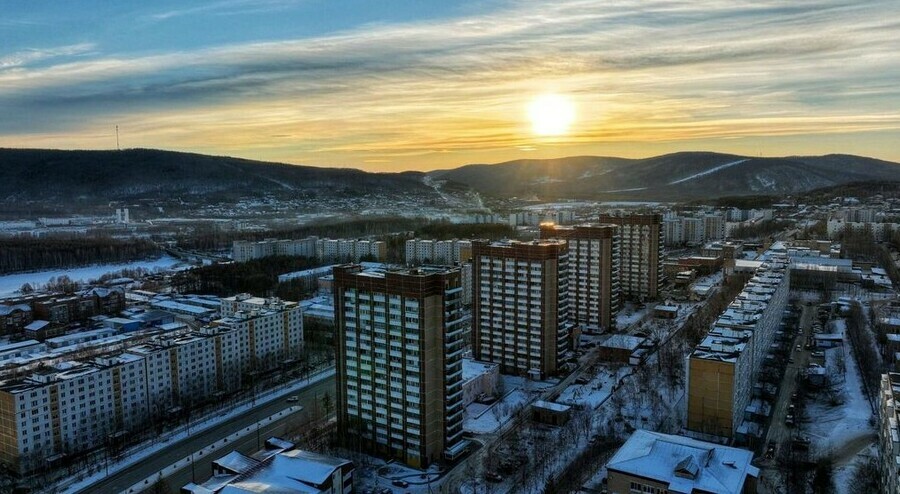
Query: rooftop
[686, 465]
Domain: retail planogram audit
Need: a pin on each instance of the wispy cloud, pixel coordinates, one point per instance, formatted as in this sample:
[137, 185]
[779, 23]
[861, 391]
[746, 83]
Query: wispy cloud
[639, 71]
[226, 7]
[27, 57]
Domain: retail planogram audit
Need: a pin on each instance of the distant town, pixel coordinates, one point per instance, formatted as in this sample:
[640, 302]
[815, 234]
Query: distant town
[560, 347]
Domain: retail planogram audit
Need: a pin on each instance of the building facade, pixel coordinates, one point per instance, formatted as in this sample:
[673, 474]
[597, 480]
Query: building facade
[594, 292]
[640, 253]
[889, 432]
[521, 305]
[724, 367]
[72, 405]
[399, 347]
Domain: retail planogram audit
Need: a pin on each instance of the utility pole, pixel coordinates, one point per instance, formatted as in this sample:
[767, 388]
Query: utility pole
[117, 139]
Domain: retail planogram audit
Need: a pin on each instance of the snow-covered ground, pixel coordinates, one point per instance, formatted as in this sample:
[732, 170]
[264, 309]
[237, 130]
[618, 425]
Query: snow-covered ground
[832, 427]
[487, 419]
[630, 315]
[597, 390]
[11, 283]
[707, 172]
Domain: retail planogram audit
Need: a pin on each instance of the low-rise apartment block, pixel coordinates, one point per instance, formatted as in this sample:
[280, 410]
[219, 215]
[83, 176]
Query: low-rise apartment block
[67, 403]
[446, 252]
[725, 365]
[889, 432]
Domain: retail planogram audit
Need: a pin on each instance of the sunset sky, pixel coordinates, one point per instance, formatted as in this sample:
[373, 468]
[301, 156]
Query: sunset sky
[397, 85]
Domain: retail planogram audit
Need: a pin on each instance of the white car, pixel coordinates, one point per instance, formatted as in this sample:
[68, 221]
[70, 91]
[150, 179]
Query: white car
[293, 399]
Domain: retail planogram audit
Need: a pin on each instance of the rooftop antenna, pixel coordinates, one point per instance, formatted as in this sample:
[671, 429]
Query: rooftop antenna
[117, 139]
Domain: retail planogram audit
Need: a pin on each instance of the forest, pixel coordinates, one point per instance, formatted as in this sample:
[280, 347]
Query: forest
[30, 254]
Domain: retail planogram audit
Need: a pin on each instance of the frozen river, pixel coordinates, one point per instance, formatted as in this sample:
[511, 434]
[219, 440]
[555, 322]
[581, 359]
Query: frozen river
[10, 283]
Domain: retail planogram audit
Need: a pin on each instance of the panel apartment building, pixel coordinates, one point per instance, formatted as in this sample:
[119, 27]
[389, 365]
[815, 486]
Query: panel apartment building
[594, 291]
[446, 252]
[399, 346]
[640, 253]
[521, 305]
[56, 407]
[323, 249]
[723, 369]
[889, 432]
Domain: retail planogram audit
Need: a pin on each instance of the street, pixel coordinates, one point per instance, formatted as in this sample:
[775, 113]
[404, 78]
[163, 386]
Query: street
[309, 399]
[779, 434]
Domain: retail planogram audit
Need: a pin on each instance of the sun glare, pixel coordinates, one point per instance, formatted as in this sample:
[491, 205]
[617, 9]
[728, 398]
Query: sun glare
[551, 114]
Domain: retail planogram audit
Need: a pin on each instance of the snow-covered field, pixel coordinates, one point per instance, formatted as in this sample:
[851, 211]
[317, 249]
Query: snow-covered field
[11, 283]
[835, 426]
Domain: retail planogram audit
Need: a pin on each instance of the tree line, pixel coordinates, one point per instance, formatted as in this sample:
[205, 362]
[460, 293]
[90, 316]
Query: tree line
[29, 253]
[258, 277]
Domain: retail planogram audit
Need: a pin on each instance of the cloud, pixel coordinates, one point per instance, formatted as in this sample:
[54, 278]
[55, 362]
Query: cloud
[27, 57]
[638, 71]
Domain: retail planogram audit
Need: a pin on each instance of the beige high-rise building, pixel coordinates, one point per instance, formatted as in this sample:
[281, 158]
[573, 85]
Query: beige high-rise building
[521, 305]
[594, 291]
[640, 253]
[399, 349]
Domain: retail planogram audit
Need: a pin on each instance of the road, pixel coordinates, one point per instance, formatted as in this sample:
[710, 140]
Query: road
[779, 434]
[309, 399]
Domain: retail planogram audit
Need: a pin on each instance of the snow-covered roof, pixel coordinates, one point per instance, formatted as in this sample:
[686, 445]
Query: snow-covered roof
[236, 462]
[6, 310]
[686, 465]
[622, 341]
[37, 325]
[549, 405]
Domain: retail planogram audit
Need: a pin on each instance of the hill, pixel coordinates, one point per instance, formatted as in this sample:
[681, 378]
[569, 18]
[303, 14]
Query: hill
[37, 182]
[678, 176]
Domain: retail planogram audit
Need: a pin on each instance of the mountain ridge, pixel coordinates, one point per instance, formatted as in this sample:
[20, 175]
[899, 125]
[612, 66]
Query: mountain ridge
[46, 175]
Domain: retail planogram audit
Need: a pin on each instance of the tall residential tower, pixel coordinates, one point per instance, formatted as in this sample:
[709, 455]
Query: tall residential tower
[399, 348]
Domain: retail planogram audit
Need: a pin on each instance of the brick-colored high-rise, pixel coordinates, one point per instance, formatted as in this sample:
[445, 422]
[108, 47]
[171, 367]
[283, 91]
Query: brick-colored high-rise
[521, 305]
[594, 291]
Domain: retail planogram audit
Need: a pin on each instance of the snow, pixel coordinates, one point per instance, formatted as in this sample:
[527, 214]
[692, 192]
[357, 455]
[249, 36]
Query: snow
[659, 456]
[141, 451]
[835, 426]
[629, 315]
[487, 419]
[10, 284]
[707, 172]
[595, 392]
[482, 419]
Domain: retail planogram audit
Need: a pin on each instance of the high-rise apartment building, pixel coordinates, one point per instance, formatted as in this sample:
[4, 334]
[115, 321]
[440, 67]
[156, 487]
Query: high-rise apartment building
[640, 253]
[593, 273]
[399, 348]
[521, 305]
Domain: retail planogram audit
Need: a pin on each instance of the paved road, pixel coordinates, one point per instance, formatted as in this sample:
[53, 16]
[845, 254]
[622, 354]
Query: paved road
[143, 469]
[778, 432]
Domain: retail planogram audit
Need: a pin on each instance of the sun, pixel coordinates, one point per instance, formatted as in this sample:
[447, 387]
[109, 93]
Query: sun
[551, 114]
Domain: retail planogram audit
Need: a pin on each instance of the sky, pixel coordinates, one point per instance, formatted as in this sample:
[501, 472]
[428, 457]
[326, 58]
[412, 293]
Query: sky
[394, 85]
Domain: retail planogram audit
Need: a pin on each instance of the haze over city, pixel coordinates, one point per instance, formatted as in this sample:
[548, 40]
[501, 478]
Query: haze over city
[390, 86]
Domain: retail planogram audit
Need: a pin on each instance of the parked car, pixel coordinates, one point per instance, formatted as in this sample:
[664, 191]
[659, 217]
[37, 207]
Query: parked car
[400, 483]
[493, 477]
[293, 399]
